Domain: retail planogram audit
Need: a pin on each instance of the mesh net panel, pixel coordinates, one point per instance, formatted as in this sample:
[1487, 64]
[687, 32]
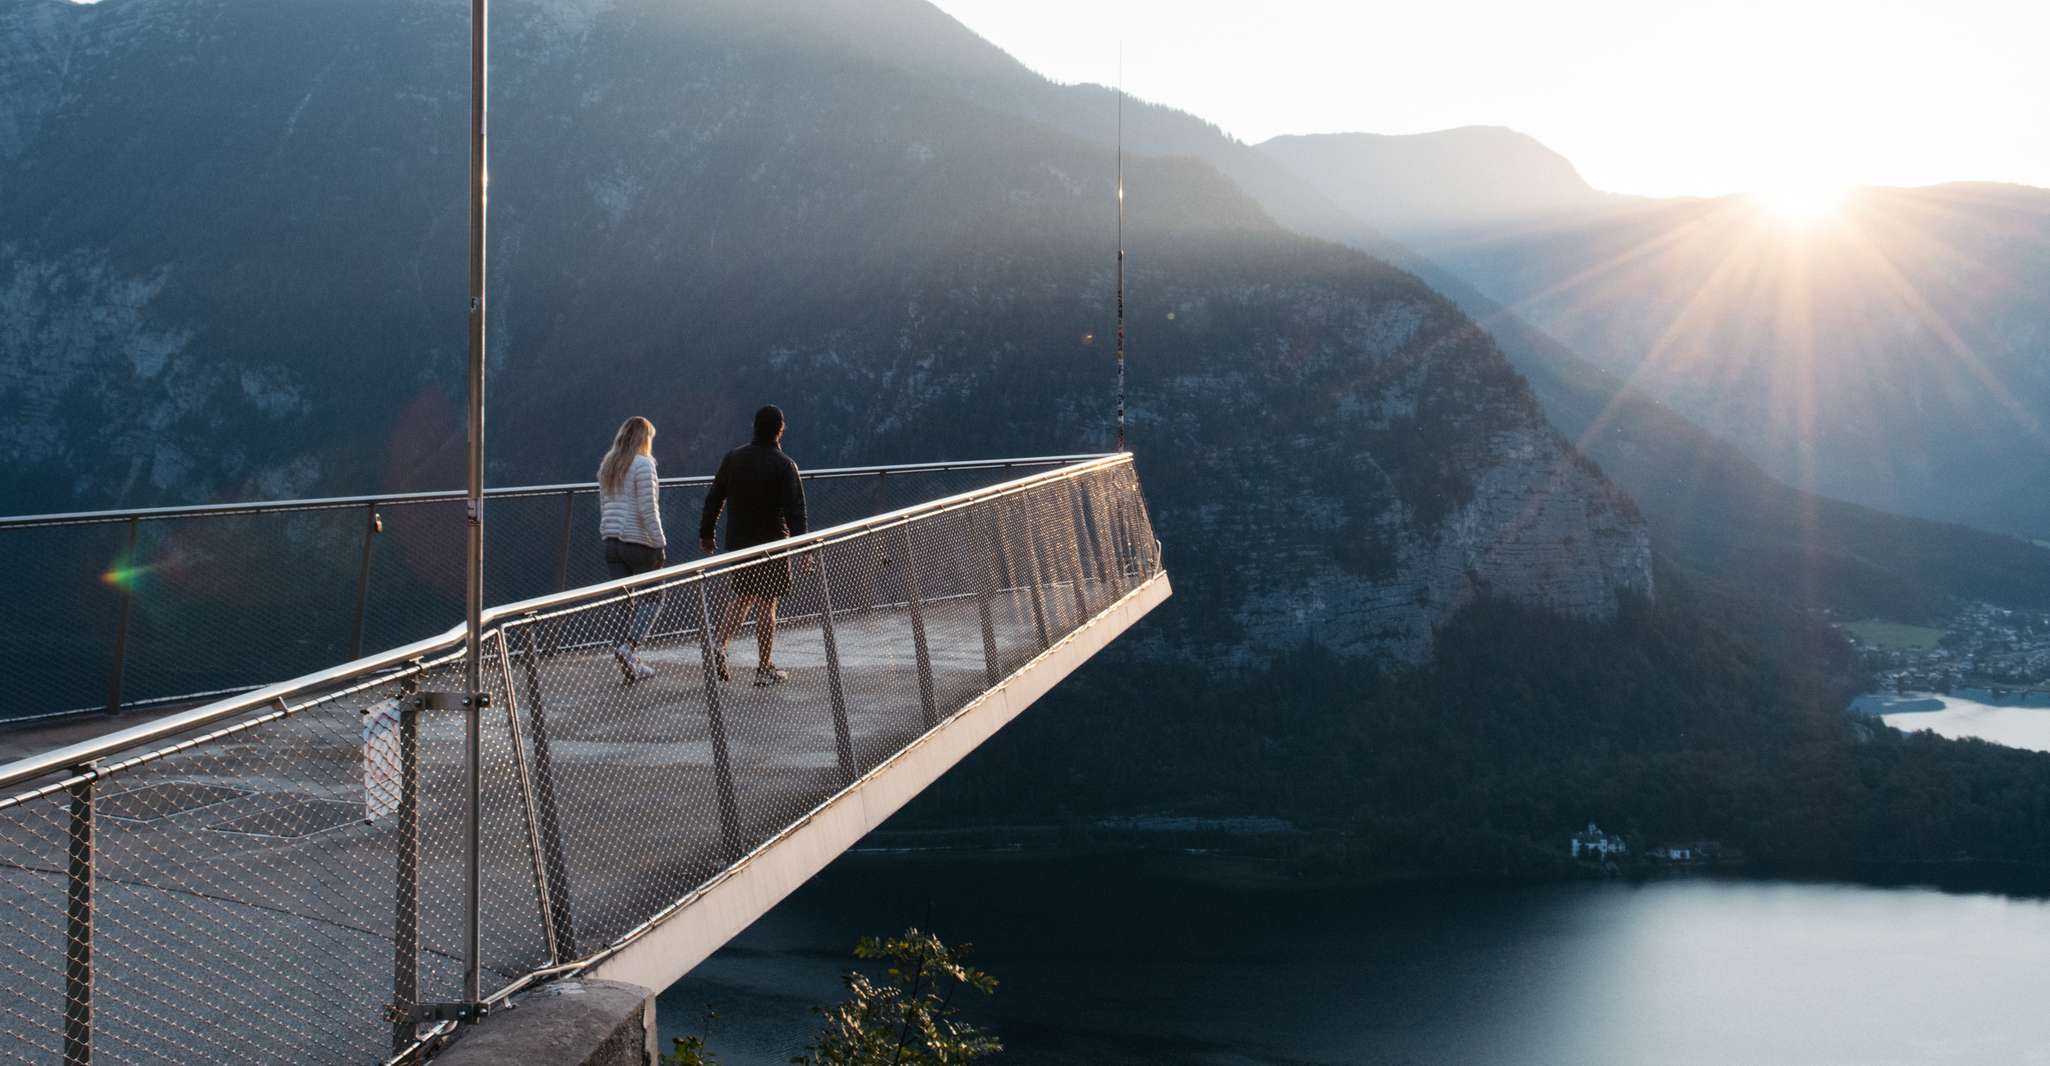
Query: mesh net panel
[222, 602]
[267, 890]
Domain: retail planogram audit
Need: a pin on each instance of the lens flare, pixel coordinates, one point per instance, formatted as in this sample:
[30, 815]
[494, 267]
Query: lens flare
[122, 575]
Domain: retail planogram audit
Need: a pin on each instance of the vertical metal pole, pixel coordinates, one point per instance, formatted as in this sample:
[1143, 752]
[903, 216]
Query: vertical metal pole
[543, 898]
[125, 576]
[1101, 515]
[473, 958]
[1023, 509]
[1121, 254]
[843, 741]
[982, 561]
[78, 922]
[928, 700]
[1053, 560]
[371, 524]
[1071, 535]
[1148, 548]
[569, 500]
[1126, 546]
[544, 796]
[405, 979]
[722, 766]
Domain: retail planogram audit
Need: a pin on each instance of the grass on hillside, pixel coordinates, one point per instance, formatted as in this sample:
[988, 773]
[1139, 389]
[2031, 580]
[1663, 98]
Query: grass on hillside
[1894, 634]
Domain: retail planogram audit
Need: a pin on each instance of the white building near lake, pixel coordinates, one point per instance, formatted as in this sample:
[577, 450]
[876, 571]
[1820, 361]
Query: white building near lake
[1595, 842]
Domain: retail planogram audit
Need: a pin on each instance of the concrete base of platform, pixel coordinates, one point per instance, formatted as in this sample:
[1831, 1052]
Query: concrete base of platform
[566, 1023]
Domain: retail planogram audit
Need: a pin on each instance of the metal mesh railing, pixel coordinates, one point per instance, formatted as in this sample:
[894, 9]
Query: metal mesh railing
[281, 874]
[169, 606]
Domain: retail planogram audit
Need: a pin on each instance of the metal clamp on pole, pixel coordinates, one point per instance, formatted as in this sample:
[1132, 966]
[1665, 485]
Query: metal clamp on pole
[449, 701]
[426, 1013]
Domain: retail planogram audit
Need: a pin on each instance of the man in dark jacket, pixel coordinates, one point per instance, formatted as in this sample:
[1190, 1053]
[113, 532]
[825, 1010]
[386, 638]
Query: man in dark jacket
[764, 500]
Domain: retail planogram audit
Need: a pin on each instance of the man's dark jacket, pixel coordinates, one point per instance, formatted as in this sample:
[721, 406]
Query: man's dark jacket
[764, 500]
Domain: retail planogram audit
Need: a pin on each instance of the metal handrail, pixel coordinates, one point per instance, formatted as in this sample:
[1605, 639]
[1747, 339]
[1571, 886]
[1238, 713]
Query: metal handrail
[334, 503]
[80, 756]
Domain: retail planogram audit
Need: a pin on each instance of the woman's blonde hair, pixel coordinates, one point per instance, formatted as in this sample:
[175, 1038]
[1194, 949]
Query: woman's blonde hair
[636, 436]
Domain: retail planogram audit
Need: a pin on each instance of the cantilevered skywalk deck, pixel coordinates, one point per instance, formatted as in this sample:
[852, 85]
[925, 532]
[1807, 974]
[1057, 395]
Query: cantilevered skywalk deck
[280, 875]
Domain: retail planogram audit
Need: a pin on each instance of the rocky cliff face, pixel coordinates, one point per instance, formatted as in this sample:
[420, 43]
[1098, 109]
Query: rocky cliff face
[1540, 528]
[696, 210]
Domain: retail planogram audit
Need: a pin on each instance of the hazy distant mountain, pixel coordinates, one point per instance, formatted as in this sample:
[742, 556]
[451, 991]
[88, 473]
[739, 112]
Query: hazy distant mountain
[234, 268]
[1475, 176]
[1711, 507]
[1896, 355]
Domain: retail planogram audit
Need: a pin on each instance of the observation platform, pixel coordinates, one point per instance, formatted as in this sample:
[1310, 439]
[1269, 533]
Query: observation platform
[271, 876]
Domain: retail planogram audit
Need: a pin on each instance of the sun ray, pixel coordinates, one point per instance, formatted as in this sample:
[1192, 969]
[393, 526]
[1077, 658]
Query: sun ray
[1902, 287]
[1653, 357]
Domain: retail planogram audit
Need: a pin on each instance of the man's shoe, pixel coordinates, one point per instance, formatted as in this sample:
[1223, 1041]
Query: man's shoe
[769, 675]
[625, 654]
[642, 671]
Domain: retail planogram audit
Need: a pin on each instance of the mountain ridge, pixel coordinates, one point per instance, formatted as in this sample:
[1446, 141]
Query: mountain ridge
[702, 219]
[1472, 176]
[1914, 309]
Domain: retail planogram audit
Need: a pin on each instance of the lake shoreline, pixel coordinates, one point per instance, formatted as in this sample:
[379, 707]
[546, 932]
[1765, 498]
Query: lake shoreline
[1226, 868]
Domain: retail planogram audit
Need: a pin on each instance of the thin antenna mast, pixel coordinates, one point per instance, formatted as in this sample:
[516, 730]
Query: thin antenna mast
[1121, 247]
[473, 545]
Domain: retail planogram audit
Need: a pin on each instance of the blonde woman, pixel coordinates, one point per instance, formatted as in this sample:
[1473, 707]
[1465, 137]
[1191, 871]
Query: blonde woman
[630, 520]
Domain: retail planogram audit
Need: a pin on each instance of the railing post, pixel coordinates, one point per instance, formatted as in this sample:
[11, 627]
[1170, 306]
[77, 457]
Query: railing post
[569, 500]
[722, 766]
[982, 563]
[544, 796]
[1032, 563]
[1124, 544]
[372, 525]
[928, 701]
[843, 742]
[125, 582]
[78, 927]
[1146, 546]
[405, 984]
[1071, 535]
[1102, 516]
[544, 896]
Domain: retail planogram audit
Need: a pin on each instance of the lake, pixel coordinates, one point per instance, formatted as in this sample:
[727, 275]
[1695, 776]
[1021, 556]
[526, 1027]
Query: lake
[1166, 959]
[2018, 722]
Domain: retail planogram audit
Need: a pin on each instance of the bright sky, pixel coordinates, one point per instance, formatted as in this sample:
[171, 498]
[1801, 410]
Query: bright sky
[1660, 97]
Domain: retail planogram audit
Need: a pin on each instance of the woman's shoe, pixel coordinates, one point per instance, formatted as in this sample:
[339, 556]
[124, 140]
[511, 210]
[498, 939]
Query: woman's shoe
[769, 675]
[631, 667]
[625, 654]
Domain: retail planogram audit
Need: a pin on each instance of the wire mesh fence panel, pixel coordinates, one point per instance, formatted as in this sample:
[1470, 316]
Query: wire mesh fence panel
[218, 601]
[623, 766]
[63, 606]
[275, 885]
[239, 894]
[36, 849]
[213, 600]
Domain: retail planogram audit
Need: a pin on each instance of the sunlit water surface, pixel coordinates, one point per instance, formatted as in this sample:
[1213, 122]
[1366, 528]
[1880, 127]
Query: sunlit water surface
[2017, 724]
[1114, 962]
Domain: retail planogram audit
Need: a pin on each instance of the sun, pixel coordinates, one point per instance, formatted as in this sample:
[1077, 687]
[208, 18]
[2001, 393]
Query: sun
[1802, 204]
